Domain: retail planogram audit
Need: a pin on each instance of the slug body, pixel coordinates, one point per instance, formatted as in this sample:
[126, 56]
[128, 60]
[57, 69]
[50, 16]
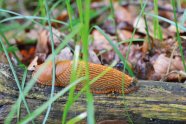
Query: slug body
[110, 82]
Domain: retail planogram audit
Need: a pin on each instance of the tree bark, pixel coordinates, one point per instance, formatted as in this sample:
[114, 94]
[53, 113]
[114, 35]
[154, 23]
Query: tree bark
[155, 102]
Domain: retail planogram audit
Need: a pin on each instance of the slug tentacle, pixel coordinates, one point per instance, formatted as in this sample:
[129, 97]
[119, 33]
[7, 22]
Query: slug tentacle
[110, 82]
[46, 75]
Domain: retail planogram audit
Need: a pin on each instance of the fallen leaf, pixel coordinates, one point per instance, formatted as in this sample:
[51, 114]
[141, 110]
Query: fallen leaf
[93, 57]
[109, 57]
[134, 55]
[65, 54]
[27, 54]
[143, 70]
[100, 43]
[177, 63]
[122, 14]
[125, 35]
[42, 46]
[161, 64]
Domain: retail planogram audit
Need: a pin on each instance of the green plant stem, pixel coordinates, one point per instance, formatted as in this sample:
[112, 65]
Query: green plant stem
[72, 79]
[44, 106]
[22, 86]
[8, 120]
[114, 19]
[178, 35]
[53, 60]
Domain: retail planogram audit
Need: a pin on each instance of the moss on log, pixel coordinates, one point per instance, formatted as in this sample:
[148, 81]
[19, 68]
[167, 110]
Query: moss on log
[155, 102]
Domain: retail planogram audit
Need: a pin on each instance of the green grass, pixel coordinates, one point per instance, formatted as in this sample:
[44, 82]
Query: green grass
[85, 45]
[53, 55]
[44, 106]
[157, 27]
[115, 47]
[19, 16]
[8, 120]
[17, 81]
[178, 26]
[146, 26]
[22, 87]
[43, 10]
[69, 9]
[32, 81]
[133, 33]
[166, 20]
[74, 76]
[77, 118]
[84, 22]
[84, 33]
[178, 35]
[79, 28]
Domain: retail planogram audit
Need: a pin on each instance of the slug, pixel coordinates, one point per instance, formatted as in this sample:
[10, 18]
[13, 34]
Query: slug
[110, 82]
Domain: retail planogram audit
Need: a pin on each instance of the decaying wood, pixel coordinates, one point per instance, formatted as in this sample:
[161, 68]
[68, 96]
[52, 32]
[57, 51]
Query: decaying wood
[154, 102]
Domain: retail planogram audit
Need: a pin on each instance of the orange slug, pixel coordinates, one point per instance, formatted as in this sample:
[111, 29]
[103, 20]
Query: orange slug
[110, 82]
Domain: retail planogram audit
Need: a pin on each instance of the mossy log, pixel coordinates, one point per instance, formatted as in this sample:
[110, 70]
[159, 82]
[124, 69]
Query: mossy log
[155, 102]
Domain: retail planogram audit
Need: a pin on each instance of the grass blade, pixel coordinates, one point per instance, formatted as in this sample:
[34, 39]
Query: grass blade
[44, 106]
[78, 118]
[178, 35]
[9, 118]
[166, 20]
[53, 60]
[72, 79]
[115, 47]
[32, 81]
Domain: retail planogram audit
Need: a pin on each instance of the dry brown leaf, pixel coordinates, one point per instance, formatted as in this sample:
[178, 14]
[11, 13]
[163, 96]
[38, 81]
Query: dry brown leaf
[27, 53]
[167, 14]
[65, 54]
[100, 43]
[173, 77]
[161, 64]
[42, 49]
[32, 34]
[139, 23]
[63, 16]
[177, 63]
[44, 39]
[125, 35]
[134, 55]
[93, 57]
[41, 57]
[42, 46]
[143, 69]
[109, 57]
[122, 14]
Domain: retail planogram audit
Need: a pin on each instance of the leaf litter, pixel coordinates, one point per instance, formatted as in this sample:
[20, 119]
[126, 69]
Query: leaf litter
[150, 58]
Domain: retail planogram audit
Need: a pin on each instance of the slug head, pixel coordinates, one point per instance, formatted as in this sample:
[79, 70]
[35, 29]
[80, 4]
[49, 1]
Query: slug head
[46, 75]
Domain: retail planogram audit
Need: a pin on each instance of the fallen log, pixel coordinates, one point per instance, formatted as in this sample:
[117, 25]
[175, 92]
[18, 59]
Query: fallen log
[155, 102]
